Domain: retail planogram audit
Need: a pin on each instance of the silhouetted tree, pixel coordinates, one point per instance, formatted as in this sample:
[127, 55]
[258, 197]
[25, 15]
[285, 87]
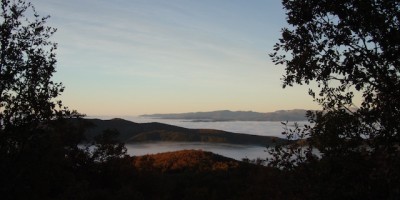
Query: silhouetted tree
[346, 47]
[32, 152]
[27, 64]
[42, 151]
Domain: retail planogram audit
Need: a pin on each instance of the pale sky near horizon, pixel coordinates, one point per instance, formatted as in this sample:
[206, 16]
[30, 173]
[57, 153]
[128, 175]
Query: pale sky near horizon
[132, 57]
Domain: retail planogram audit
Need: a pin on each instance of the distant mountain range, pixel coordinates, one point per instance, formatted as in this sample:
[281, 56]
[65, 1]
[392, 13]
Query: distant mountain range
[131, 132]
[227, 115]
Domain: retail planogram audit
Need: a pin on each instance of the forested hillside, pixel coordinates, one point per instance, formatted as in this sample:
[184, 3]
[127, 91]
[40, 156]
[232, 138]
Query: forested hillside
[129, 132]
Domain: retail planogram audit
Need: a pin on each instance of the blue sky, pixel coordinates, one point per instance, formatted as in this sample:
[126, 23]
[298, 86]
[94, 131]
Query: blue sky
[132, 57]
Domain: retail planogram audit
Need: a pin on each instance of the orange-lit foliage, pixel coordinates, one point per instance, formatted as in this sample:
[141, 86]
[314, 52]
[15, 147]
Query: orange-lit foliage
[185, 160]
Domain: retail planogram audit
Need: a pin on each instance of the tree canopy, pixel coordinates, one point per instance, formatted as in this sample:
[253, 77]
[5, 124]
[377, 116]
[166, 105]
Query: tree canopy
[346, 48]
[28, 60]
[41, 150]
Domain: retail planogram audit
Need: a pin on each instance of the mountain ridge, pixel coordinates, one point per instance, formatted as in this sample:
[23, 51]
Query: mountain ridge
[227, 115]
[131, 132]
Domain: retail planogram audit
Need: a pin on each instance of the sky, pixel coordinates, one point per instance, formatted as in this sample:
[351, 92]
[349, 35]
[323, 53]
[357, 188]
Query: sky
[133, 57]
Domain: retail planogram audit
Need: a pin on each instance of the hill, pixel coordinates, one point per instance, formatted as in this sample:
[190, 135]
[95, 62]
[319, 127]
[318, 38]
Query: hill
[227, 115]
[191, 174]
[130, 132]
[184, 161]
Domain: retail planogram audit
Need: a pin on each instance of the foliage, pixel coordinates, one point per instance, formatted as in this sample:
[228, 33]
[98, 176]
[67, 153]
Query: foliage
[27, 64]
[40, 156]
[184, 161]
[106, 147]
[345, 47]
[27, 103]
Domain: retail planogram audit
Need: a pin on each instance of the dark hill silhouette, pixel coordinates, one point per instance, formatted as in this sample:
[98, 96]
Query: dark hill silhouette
[130, 132]
[227, 115]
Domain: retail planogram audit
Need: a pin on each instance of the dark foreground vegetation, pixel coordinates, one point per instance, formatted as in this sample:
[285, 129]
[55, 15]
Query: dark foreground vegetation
[344, 46]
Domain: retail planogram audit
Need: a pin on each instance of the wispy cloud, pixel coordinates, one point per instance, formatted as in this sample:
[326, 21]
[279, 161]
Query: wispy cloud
[215, 49]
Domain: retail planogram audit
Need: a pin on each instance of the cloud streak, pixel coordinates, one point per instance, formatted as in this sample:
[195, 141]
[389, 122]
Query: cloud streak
[181, 49]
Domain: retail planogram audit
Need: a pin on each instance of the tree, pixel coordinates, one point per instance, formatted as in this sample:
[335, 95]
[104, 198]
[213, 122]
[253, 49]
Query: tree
[27, 64]
[41, 150]
[346, 47]
[28, 60]
[33, 148]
